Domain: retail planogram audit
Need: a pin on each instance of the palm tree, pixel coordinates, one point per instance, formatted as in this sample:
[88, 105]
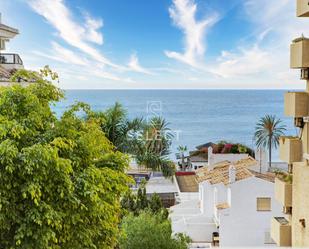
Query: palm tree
[153, 147]
[182, 150]
[121, 131]
[158, 136]
[267, 133]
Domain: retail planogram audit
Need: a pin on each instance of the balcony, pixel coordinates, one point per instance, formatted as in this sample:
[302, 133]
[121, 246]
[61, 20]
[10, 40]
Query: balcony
[299, 53]
[11, 61]
[283, 192]
[281, 231]
[302, 8]
[290, 149]
[296, 104]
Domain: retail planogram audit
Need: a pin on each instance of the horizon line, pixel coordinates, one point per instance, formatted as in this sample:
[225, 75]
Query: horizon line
[185, 89]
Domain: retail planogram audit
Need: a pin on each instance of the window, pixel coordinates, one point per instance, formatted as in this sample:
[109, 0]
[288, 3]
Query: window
[263, 204]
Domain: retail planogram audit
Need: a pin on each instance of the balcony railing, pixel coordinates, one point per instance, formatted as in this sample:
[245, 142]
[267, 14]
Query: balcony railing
[10, 59]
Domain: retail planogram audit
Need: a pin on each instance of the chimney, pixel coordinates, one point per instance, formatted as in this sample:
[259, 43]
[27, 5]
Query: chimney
[232, 174]
[210, 157]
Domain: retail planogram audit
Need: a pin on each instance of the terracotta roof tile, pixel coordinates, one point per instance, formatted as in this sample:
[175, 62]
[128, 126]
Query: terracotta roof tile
[268, 176]
[220, 172]
[187, 183]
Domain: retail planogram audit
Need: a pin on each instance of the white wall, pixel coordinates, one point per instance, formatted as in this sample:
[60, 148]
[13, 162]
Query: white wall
[211, 195]
[242, 224]
[262, 159]
[206, 198]
[216, 158]
[198, 228]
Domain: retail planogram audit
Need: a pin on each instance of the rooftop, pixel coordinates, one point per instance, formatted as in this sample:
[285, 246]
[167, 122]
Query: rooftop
[8, 29]
[160, 185]
[220, 171]
[268, 176]
[206, 145]
[187, 183]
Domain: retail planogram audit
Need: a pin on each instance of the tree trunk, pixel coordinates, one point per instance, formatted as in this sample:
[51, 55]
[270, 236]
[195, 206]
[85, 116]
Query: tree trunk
[182, 162]
[269, 159]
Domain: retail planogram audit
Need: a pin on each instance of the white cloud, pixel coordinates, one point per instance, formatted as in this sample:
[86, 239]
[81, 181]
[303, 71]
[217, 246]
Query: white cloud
[266, 50]
[92, 27]
[63, 55]
[183, 14]
[135, 66]
[90, 62]
[76, 35]
[246, 61]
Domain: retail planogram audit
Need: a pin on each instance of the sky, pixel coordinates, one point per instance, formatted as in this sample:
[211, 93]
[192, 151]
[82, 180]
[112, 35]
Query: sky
[159, 44]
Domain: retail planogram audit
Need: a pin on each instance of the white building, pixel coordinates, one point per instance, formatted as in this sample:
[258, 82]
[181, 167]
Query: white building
[233, 200]
[8, 61]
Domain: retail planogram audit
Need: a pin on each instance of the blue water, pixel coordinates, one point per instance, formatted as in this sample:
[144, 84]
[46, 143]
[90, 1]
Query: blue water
[196, 116]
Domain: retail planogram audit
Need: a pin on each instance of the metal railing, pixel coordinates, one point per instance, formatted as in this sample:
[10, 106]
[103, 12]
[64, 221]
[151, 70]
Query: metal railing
[10, 59]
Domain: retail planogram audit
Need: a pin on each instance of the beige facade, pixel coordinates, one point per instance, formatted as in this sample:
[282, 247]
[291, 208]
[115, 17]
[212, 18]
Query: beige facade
[300, 214]
[295, 104]
[299, 53]
[302, 8]
[281, 231]
[293, 230]
[290, 149]
[283, 192]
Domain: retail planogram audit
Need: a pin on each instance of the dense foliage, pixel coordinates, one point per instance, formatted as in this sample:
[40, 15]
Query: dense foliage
[120, 130]
[149, 231]
[153, 147]
[148, 142]
[61, 179]
[136, 203]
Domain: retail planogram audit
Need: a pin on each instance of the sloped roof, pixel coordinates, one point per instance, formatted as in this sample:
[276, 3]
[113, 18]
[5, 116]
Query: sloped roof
[220, 171]
[206, 145]
[187, 183]
[268, 176]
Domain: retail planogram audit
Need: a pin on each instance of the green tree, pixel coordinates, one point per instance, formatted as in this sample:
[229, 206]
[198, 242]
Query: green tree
[158, 136]
[141, 200]
[267, 133]
[61, 179]
[155, 203]
[149, 231]
[121, 131]
[154, 146]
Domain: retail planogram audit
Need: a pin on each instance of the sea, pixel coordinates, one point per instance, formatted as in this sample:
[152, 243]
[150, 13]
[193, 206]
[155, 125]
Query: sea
[194, 116]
